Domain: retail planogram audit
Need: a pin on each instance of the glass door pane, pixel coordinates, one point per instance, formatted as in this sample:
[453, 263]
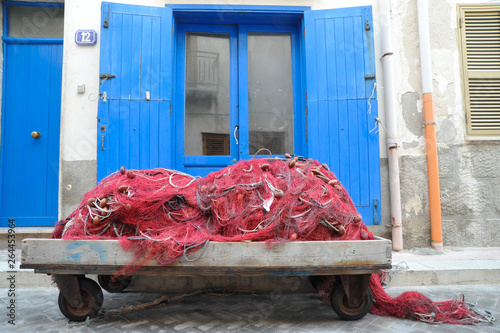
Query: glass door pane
[207, 91]
[270, 93]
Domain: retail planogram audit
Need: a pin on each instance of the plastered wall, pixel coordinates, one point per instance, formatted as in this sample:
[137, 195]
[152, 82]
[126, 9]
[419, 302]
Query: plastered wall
[469, 172]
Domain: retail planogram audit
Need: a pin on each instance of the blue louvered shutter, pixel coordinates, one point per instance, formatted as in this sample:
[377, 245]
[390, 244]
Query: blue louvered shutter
[134, 128]
[341, 101]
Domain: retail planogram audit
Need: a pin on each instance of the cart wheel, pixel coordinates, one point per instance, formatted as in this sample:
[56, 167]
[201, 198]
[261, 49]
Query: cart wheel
[114, 285]
[344, 310]
[92, 300]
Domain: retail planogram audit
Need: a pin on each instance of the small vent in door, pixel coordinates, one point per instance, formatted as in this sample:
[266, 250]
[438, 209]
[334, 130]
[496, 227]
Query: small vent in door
[215, 144]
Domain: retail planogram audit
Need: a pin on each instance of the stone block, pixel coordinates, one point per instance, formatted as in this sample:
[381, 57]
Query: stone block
[447, 162]
[459, 198]
[385, 203]
[480, 161]
[416, 231]
[78, 178]
[496, 196]
[453, 232]
[471, 232]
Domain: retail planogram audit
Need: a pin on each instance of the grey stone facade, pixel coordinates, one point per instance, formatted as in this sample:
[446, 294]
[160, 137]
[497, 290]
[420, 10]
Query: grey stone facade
[470, 189]
[78, 177]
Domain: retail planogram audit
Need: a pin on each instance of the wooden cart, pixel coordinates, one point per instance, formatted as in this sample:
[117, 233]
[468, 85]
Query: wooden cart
[69, 261]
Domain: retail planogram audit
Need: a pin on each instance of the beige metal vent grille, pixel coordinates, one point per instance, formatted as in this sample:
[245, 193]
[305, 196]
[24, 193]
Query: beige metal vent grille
[215, 144]
[480, 43]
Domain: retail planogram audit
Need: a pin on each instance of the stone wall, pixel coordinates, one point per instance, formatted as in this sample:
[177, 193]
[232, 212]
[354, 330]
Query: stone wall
[469, 170]
[470, 190]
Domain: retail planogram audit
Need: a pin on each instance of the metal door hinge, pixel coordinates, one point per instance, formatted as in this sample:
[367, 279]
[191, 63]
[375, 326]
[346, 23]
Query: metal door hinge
[376, 212]
[106, 19]
[105, 76]
[369, 76]
[367, 25]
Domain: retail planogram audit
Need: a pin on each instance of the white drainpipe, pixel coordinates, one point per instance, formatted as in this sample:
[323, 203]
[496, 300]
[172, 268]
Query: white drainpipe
[391, 125]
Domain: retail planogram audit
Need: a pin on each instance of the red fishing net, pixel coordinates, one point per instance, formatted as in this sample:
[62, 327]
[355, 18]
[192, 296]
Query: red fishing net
[413, 305]
[416, 306]
[164, 214]
[171, 212]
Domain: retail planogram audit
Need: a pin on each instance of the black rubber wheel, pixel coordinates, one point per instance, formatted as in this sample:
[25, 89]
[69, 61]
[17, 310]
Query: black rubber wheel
[92, 300]
[340, 304]
[113, 285]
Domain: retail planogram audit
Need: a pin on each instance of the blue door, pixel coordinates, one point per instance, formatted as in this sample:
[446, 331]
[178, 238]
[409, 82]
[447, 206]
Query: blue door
[237, 90]
[30, 130]
[224, 105]
[134, 127]
[341, 102]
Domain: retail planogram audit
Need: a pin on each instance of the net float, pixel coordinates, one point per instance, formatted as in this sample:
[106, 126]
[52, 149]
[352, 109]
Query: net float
[264, 167]
[363, 234]
[203, 189]
[103, 203]
[288, 155]
[333, 182]
[211, 188]
[130, 174]
[104, 213]
[123, 170]
[293, 236]
[123, 188]
[91, 202]
[325, 166]
[357, 219]
[278, 193]
[291, 164]
[96, 220]
[341, 230]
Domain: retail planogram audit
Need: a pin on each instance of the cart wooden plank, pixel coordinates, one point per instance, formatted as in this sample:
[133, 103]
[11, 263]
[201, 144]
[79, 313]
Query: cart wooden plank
[238, 258]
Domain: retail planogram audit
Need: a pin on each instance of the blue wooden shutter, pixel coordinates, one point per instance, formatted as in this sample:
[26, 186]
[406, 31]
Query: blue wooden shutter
[341, 109]
[134, 128]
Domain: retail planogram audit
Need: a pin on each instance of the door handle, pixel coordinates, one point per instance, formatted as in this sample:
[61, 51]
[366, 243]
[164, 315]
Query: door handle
[36, 135]
[236, 134]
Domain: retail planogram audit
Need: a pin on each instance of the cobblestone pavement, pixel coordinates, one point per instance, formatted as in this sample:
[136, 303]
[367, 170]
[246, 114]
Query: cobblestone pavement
[37, 311]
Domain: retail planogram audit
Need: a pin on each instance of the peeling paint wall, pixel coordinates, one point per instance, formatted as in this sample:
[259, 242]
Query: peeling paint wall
[469, 172]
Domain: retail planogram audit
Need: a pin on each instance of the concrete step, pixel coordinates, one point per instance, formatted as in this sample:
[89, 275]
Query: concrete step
[21, 233]
[23, 278]
[427, 267]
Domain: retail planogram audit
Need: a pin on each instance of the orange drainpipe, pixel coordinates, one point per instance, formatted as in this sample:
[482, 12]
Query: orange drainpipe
[433, 173]
[430, 125]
